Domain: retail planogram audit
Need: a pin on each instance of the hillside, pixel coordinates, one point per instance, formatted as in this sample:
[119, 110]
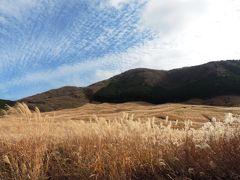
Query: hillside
[56, 99]
[199, 82]
[214, 83]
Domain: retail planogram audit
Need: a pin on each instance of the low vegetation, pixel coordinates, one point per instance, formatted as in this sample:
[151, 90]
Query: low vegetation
[4, 102]
[35, 147]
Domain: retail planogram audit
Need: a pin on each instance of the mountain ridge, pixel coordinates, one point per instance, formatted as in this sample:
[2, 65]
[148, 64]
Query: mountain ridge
[202, 83]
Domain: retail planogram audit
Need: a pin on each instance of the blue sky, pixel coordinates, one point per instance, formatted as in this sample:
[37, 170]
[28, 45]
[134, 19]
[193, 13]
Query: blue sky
[46, 44]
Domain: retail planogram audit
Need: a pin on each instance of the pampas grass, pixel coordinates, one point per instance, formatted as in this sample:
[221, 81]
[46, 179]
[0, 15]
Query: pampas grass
[37, 147]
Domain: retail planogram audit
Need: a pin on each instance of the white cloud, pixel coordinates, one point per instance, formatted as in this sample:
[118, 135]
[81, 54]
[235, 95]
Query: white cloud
[16, 8]
[216, 34]
[54, 76]
[69, 74]
[105, 73]
[209, 36]
[190, 32]
[117, 3]
[166, 16]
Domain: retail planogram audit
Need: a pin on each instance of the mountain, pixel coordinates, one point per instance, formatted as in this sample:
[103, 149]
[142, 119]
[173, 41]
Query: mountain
[56, 99]
[214, 83]
[64, 97]
[156, 86]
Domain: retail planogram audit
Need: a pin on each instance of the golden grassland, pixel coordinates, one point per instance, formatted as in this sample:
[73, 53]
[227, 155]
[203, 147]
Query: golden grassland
[197, 113]
[42, 146]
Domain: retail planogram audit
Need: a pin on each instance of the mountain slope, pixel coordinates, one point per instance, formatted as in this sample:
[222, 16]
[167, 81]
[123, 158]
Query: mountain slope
[204, 81]
[56, 99]
[214, 83]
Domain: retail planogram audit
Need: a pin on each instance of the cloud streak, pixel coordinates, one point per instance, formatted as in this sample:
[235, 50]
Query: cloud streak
[16, 8]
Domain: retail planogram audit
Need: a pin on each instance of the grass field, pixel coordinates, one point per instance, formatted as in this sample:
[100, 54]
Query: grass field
[102, 142]
[196, 113]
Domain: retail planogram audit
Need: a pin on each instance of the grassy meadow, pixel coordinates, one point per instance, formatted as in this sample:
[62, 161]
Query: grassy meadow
[37, 146]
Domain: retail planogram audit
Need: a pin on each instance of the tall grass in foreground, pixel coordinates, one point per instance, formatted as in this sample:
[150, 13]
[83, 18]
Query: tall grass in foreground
[36, 147]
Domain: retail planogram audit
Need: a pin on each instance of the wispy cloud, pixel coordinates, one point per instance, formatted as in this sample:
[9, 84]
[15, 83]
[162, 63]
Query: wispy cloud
[120, 3]
[16, 8]
[57, 33]
[78, 74]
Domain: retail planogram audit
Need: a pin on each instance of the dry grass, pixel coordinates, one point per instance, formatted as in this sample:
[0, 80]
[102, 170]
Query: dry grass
[181, 112]
[38, 147]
